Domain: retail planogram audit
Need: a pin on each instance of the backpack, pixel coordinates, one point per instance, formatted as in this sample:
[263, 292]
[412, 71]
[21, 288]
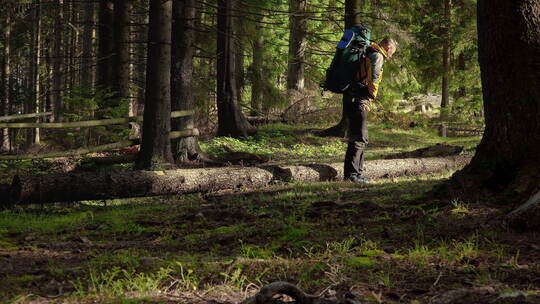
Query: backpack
[341, 76]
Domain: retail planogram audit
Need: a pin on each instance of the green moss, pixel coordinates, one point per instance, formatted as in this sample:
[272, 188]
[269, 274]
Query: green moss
[7, 245]
[360, 262]
[372, 253]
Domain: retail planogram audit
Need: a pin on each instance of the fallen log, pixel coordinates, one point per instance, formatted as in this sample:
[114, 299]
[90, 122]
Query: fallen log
[79, 186]
[106, 185]
[374, 169]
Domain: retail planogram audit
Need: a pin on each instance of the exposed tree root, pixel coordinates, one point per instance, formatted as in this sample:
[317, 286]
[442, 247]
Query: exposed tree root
[268, 292]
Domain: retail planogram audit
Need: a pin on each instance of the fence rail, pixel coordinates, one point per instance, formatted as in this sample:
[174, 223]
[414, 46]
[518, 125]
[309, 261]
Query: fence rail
[102, 148]
[24, 116]
[87, 123]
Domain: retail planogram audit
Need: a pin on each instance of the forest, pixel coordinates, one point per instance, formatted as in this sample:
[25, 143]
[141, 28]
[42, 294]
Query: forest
[186, 151]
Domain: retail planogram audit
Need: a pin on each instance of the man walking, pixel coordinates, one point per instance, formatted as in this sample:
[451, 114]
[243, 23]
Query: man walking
[370, 74]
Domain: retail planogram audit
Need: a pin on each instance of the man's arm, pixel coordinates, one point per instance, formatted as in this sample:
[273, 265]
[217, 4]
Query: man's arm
[377, 61]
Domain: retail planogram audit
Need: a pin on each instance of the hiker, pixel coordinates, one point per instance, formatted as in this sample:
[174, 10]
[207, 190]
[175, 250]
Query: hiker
[370, 74]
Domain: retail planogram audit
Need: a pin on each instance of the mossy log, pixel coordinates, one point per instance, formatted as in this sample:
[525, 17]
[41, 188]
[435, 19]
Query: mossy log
[88, 123]
[101, 148]
[75, 186]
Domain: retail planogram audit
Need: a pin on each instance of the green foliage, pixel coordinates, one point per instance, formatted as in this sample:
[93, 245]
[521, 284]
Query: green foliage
[82, 105]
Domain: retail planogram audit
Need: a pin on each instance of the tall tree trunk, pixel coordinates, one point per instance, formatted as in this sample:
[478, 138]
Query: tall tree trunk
[506, 161]
[445, 94]
[136, 106]
[156, 145]
[297, 44]
[353, 9]
[57, 66]
[34, 86]
[6, 83]
[121, 58]
[183, 37]
[71, 78]
[105, 30]
[461, 67]
[239, 46]
[88, 30]
[461, 64]
[257, 82]
[231, 121]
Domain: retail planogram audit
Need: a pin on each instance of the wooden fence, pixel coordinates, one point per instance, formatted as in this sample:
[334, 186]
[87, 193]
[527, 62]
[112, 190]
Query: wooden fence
[85, 124]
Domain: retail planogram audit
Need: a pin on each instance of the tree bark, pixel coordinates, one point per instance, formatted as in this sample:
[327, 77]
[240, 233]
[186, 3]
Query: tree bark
[57, 63]
[445, 94]
[156, 145]
[137, 105]
[105, 30]
[353, 9]
[34, 87]
[183, 37]
[297, 44]
[461, 64]
[506, 163]
[6, 83]
[239, 74]
[231, 120]
[35, 189]
[88, 29]
[121, 53]
[256, 73]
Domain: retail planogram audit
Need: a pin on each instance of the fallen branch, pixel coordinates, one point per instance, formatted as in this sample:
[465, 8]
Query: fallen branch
[77, 186]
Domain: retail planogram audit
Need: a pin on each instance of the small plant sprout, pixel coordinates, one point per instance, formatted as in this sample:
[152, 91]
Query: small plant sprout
[458, 207]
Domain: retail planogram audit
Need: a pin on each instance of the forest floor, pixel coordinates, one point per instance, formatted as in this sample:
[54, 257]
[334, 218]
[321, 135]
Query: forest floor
[386, 242]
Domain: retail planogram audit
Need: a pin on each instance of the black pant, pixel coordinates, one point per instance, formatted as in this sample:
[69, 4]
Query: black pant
[358, 138]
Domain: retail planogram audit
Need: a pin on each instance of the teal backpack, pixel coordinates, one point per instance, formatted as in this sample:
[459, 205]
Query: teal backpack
[350, 52]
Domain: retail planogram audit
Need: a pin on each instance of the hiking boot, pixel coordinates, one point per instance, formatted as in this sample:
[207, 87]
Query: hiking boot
[359, 179]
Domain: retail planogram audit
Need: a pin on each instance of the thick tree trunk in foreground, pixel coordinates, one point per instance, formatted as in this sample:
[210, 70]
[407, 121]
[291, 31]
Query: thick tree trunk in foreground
[231, 120]
[156, 145]
[506, 163]
[106, 185]
[352, 17]
[183, 36]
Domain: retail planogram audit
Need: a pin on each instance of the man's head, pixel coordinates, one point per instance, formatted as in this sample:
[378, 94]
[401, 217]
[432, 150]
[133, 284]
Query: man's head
[389, 45]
